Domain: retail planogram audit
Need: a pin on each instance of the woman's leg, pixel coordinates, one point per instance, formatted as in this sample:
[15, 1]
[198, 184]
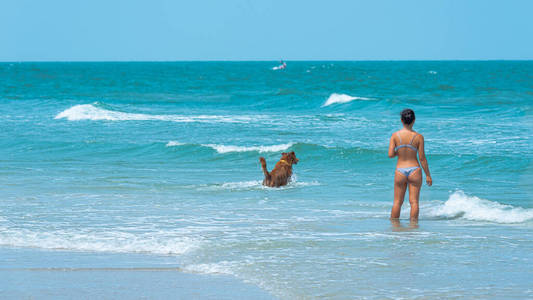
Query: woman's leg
[400, 185]
[415, 183]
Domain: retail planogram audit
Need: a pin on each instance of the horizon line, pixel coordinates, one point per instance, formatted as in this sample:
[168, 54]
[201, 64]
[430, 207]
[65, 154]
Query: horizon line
[259, 60]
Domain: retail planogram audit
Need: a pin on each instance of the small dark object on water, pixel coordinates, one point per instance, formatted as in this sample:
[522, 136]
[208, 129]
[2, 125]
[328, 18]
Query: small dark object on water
[281, 174]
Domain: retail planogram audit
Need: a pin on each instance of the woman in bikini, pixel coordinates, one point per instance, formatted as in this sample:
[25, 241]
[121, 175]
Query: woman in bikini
[405, 144]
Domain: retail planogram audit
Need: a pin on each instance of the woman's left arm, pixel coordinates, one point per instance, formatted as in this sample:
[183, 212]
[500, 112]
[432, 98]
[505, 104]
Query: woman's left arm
[424, 161]
[392, 153]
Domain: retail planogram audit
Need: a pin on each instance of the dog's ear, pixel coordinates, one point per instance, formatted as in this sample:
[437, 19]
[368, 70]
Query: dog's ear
[293, 153]
[283, 154]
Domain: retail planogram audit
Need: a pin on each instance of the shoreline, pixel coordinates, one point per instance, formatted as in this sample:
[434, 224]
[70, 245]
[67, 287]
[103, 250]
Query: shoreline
[37, 273]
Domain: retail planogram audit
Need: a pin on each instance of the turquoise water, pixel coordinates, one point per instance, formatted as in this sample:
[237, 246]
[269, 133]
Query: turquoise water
[160, 161]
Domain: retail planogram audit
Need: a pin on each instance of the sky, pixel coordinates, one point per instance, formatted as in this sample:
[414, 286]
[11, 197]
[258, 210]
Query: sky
[166, 30]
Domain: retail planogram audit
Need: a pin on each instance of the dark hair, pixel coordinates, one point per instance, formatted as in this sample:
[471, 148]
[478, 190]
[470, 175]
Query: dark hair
[408, 116]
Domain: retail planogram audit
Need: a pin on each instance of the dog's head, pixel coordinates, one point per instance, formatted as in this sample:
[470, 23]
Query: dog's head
[289, 157]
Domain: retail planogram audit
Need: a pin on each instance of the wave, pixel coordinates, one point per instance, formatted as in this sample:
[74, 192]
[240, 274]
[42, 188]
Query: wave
[342, 98]
[115, 242]
[229, 148]
[320, 152]
[174, 143]
[459, 205]
[95, 113]
[260, 149]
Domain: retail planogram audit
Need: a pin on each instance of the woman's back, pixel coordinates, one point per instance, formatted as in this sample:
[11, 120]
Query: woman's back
[406, 147]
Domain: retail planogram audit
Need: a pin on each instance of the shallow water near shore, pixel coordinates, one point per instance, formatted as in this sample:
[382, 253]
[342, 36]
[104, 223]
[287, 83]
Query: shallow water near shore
[159, 161]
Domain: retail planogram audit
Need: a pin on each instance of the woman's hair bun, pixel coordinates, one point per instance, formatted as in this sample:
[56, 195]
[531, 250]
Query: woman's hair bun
[408, 116]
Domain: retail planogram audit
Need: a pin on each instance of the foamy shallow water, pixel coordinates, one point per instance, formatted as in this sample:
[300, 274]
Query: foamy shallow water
[167, 171]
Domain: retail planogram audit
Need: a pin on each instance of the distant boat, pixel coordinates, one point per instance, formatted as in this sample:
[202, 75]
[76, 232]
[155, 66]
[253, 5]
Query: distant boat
[282, 66]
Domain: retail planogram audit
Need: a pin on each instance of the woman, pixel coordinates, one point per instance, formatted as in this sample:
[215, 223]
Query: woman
[405, 144]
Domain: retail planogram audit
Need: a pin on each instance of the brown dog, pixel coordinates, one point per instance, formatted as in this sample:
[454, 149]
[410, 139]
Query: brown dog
[281, 174]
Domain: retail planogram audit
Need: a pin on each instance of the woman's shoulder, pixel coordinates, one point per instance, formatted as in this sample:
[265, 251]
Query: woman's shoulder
[396, 132]
[418, 138]
[418, 135]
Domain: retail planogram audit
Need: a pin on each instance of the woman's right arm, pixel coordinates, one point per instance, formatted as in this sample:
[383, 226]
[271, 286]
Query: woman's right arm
[424, 161]
[392, 153]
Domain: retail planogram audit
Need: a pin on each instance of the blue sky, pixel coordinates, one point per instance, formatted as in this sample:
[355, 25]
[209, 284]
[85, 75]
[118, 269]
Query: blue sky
[75, 30]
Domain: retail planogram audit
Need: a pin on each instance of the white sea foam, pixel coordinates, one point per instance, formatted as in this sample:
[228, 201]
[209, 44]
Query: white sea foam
[223, 267]
[94, 113]
[234, 268]
[260, 149]
[174, 143]
[229, 148]
[242, 185]
[256, 185]
[432, 72]
[110, 241]
[342, 98]
[459, 205]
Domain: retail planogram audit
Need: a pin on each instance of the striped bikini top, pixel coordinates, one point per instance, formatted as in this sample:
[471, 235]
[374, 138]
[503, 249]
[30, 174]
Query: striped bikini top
[410, 145]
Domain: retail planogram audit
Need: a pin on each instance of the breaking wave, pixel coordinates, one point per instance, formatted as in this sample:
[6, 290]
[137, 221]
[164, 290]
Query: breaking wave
[459, 205]
[229, 148]
[342, 98]
[95, 113]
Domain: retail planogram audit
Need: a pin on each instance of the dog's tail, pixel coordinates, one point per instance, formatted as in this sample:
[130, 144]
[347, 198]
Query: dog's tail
[264, 166]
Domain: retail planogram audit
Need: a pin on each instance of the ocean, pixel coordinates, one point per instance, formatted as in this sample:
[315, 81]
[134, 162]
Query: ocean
[155, 165]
